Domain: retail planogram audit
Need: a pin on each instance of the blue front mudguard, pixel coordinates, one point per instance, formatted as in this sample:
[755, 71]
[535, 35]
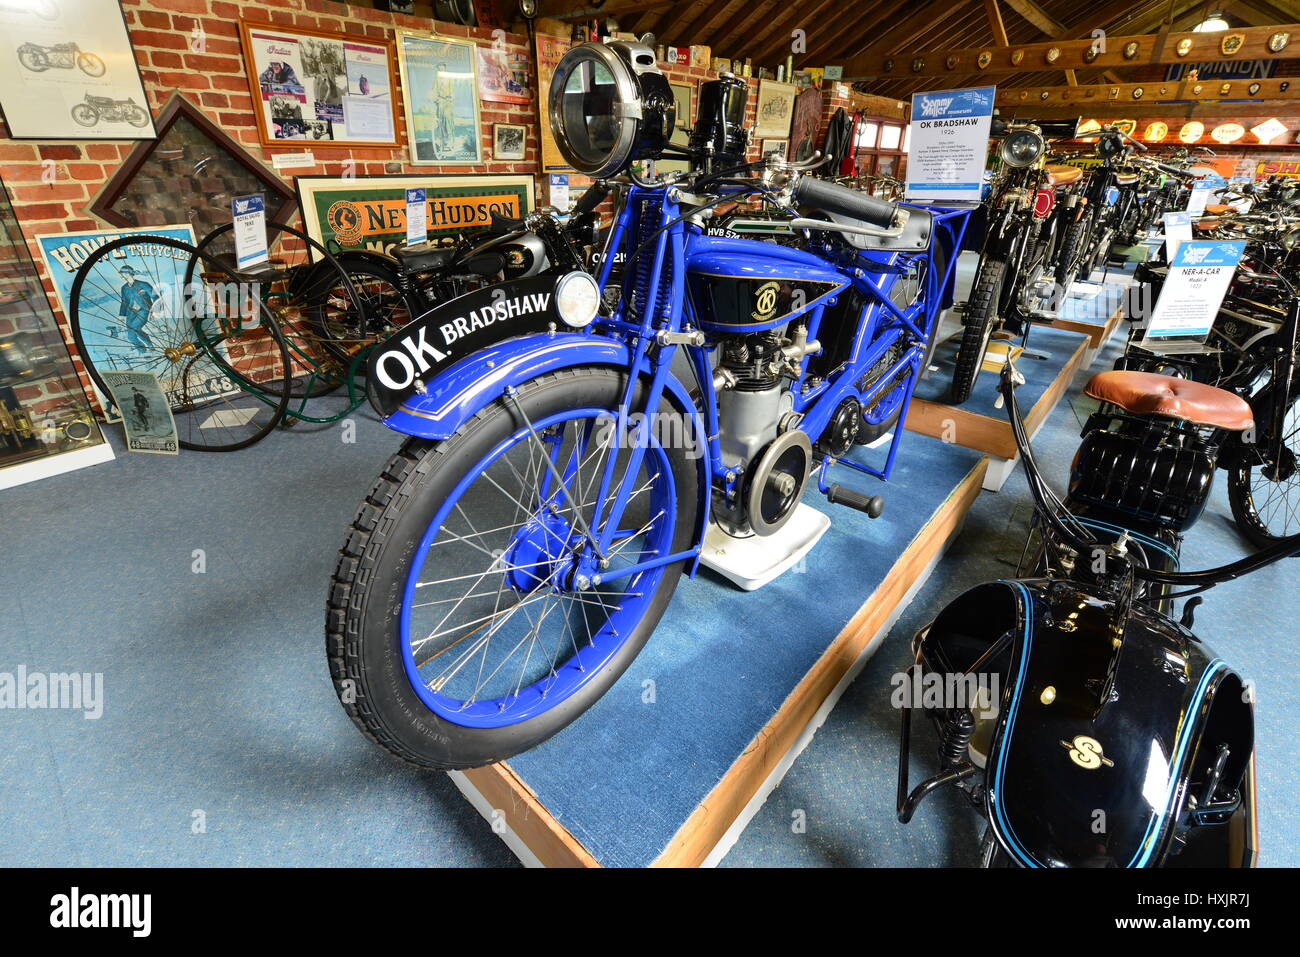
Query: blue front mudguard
[457, 394]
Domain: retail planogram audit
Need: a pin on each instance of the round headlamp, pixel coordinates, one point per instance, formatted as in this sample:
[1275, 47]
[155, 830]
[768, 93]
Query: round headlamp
[1022, 147]
[1110, 144]
[610, 105]
[576, 299]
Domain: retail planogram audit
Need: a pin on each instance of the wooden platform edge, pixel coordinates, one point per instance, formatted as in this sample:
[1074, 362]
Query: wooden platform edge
[508, 803]
[983, 433]
[710, 821]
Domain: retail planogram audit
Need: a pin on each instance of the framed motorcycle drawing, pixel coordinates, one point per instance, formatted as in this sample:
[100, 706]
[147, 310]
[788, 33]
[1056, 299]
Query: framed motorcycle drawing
[72, 73]
[440, 77]
[332, 88]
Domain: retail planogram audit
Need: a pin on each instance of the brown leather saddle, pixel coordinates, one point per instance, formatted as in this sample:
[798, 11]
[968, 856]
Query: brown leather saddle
[1148, 393]
[1063, 175]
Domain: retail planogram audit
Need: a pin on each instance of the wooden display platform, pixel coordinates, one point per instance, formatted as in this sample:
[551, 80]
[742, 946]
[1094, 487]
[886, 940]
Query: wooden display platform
[603, 786]
[981, 423]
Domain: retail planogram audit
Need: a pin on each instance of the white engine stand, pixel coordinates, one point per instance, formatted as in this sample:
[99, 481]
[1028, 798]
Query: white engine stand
[754, 561]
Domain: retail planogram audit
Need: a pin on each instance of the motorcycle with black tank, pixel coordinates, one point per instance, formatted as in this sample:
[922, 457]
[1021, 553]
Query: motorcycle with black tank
[1030, 208]
[1099, 731]
[570, 438]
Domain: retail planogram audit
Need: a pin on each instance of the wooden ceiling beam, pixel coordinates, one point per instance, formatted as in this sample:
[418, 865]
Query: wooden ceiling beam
[577, 10]
[1117, 96]
[764, 36]
[1071, 55]
[723, 45]
[781, 46]
[852, 39]
[994, 14]
[1033, 14]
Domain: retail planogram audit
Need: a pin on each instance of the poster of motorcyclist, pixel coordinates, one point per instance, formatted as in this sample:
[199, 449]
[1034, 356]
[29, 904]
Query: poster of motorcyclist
[146, 414]
[321, 86]
[440, 77]
[69, 72]
[128, 308]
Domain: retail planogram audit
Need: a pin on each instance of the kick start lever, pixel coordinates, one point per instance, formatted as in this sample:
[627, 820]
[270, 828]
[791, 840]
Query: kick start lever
[871, 505]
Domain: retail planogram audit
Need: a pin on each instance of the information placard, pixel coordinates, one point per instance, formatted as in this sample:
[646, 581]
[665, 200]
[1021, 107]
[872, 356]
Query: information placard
[250, 230]
[1178, 230]
[417, 219]
[1194, 290]
[949, 143]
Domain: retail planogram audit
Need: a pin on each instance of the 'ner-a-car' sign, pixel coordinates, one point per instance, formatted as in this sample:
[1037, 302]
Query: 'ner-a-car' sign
[406, 361]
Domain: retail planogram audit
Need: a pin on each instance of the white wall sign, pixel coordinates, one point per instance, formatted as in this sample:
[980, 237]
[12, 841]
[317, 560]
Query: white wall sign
[949, 143]
[1191, 296]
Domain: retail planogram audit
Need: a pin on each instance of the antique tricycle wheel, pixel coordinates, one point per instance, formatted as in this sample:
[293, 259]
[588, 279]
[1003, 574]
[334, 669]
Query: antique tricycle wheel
[225, 373]
[301, 285]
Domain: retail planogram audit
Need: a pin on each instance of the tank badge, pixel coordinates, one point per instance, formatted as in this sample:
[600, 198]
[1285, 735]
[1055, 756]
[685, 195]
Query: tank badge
[765, 301]
[1086, 752]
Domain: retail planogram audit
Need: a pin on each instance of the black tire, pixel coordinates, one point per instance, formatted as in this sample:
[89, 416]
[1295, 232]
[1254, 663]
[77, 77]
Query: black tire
[383, 308]
[981, 315]
[362, 634]
[1264, 522]
[991, 853]
[1067, 262]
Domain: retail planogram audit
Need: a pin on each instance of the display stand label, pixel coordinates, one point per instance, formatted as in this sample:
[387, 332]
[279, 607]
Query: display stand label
[250, 230]
[1178, 230]
[1191, 296]
[949, 143]
[417, 217]
[1199, 196]
[560, 191]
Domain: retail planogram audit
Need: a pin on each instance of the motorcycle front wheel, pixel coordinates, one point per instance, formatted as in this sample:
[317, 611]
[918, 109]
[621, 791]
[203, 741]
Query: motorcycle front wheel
[980, 318]
[90, 64]
[1264, 487]
[469, 618]
[84, 115]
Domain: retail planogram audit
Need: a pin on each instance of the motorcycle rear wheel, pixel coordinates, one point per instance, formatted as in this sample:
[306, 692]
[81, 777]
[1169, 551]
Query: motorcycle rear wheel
[460, 696]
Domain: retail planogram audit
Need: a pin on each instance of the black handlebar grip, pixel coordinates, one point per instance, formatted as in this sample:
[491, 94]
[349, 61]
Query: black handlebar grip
[834, 198]
[589, 200]
[1175, 171]
[872, 505]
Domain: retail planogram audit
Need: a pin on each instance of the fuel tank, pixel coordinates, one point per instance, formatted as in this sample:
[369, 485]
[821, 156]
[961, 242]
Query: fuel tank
[1106, 734]
[746, 285]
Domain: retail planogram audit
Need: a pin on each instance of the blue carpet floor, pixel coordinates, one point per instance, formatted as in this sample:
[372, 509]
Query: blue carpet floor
[221, 742]
[836, 805]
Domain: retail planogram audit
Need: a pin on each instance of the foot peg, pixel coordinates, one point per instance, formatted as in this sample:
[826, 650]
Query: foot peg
[872, 505]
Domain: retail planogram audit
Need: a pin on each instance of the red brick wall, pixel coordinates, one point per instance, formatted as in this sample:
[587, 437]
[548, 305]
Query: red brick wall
[53, 182]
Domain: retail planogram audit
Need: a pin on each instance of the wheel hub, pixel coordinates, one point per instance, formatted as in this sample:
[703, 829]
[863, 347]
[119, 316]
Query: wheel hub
[537, 552]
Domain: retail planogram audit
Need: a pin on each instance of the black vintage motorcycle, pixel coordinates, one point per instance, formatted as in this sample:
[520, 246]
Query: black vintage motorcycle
[1015, 269]
[93, 109]
[61, 56]
[1101, 732]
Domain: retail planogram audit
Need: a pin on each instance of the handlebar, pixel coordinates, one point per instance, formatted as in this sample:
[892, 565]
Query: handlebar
[832, 198]
[589, 200]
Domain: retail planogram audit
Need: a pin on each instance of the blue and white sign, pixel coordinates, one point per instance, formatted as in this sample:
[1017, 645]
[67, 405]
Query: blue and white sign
[250, 230]
[1178, 230]
[1191, 296]
[1198, 197]
[560, 191]
[949, 143]
[417, 216]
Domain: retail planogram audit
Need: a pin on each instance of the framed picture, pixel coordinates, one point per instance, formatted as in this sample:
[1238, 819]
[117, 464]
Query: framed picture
[104, 327]
[548, 50]
[780, 147]
[509, 142]
[189, 174]
[334, 89]
[803, 129]
[71, 72]
[369, 212]
[440, 80]
[503, 77]
[775, 109]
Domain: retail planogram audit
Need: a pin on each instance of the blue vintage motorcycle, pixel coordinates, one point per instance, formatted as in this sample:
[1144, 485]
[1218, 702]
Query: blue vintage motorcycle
[571, 437]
